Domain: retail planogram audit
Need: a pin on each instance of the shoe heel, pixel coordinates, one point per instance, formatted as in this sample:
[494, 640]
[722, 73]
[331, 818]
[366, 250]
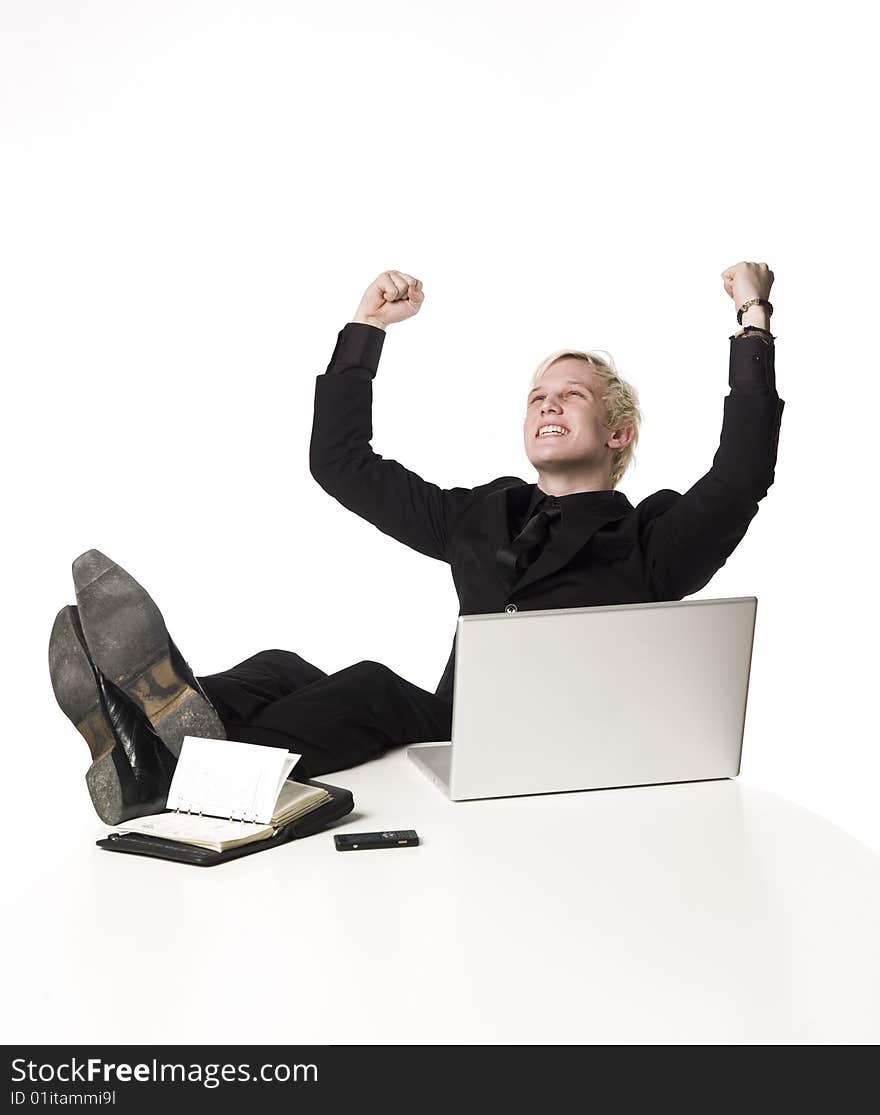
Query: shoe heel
[102, 781]
[174, 708]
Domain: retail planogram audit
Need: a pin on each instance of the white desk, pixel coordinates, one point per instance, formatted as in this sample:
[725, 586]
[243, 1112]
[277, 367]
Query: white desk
[709, 912]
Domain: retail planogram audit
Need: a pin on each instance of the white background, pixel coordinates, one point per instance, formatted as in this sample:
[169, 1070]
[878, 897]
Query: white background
[194, 197]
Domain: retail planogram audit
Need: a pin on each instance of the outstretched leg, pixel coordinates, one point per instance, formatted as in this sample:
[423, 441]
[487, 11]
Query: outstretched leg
[243, 691]
[276, 697]
[335, 721]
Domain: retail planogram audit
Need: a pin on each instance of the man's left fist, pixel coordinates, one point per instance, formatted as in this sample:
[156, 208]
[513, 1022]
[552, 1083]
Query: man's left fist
[747, 280]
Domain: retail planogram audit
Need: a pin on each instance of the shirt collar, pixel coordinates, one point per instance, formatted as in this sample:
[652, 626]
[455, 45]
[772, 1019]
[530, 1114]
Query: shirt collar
[606, 504]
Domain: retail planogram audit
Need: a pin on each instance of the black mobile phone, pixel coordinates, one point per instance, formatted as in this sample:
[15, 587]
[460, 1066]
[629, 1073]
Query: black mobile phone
[360, 841]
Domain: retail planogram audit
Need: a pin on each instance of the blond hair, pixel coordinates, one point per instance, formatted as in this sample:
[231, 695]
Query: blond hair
[619, 399]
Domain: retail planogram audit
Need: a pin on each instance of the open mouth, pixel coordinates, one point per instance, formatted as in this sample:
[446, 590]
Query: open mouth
[552, 431]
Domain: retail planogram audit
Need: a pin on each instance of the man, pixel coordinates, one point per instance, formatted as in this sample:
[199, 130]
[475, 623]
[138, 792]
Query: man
[571, 540]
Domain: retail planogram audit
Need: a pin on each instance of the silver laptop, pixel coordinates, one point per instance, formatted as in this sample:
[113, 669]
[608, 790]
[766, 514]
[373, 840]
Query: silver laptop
[589, 698]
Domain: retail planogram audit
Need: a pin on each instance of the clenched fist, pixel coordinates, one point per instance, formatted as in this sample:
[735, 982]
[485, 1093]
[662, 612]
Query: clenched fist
[393, 296]
[747, 280]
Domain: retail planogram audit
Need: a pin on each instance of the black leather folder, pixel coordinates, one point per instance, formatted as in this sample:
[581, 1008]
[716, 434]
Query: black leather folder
[341, 802]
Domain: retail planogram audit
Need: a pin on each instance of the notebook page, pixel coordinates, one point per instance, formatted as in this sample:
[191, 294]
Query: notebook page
[224, 778]
[190, 829]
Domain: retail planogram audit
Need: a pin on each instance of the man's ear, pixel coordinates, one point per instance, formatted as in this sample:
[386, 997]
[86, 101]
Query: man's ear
[622, 437]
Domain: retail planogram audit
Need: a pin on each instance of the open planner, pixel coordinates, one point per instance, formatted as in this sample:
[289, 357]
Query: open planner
[226, 795]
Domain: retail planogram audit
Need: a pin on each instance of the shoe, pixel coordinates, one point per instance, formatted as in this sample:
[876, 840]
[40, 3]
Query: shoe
[130, 645]
[131, 767]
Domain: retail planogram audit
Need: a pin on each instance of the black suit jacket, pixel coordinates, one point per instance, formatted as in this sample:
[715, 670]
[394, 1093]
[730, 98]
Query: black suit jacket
[605, 550]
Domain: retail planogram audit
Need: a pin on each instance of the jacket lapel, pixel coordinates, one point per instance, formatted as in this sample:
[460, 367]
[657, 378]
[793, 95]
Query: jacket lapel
[502, 511]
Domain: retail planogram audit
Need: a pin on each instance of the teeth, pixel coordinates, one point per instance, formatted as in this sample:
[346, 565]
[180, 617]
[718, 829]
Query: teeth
[545, 431]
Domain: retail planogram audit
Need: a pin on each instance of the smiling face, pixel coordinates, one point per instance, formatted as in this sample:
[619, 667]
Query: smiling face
[567, 402]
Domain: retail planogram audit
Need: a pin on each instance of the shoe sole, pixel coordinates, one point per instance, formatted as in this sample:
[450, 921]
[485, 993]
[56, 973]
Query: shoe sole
[129, 643]
[77, 693]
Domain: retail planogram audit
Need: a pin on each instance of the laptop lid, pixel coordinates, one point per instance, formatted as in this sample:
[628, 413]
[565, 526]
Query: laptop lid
[582, 698]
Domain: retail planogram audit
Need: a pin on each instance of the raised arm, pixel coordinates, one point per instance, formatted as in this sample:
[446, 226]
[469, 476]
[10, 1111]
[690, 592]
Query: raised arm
[688, 543]
[393, 498]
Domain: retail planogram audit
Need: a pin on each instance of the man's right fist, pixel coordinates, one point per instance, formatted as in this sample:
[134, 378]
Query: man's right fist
[393, 296]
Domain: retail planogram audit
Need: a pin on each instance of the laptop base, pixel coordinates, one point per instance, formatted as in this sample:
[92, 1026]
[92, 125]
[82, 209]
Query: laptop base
[434, 760]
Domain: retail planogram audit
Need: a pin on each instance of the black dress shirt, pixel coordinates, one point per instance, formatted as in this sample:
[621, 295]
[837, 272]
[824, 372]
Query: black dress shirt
[603, 549]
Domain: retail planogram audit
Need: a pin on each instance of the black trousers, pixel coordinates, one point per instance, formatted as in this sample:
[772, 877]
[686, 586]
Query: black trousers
[334, 721]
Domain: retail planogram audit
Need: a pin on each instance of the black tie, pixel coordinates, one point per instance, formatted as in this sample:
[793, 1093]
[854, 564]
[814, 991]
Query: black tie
[518, 554]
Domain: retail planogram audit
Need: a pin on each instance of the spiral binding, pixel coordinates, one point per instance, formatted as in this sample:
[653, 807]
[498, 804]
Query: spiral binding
[190, 810]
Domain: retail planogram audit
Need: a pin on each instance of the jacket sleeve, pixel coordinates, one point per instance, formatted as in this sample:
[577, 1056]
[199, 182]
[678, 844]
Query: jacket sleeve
[686, 544]
[394, 499]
